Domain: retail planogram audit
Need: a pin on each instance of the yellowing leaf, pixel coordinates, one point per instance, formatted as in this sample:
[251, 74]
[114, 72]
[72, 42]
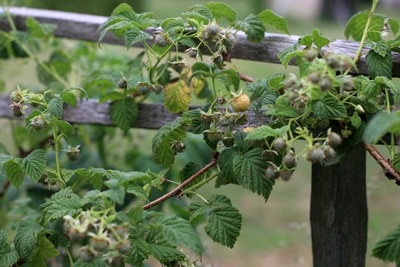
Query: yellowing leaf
[177, 96]
[197, 85]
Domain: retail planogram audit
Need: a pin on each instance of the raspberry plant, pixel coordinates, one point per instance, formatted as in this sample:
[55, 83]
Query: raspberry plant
[97, 216]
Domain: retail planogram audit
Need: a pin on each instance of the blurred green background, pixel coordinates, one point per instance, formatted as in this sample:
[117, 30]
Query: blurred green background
[276, 233]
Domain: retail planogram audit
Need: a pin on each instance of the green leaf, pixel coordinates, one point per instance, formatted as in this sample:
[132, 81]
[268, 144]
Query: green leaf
[355, 120]
[69, 98]
[138, 191]
[163, 140]
[116, 191]
[62, 203]
[39, 30]
[355, 26]
[230, 78]
[34, 164]
[173, 25]
[46, 248]
[139, 252]
[124, 112]
[289, 55]
[283, 111]
[8, 255]
[222, 10]
[379, 65]
[3, 159]
[26, 238]
[199, 13]
[319, 40]
[381, 124]
[133, 36]
[388, 249]
[253, 27]
[328, 107]
[179, 232]
[177, 96]
[56, 107]
[65, 128]
[224, 222]
[14, 172]
[225, 163]
[250, 168]
[269, 18]
[266, 131]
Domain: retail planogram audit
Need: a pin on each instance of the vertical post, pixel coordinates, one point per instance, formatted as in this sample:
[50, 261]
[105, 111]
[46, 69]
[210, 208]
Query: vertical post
[339, 213]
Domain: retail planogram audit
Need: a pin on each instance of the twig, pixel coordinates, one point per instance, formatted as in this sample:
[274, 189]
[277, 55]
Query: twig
[246, 78]
[388, 169]
[178, 189]
[4, 188]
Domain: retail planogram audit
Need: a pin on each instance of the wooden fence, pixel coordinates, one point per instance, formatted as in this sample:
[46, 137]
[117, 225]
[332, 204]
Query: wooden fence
[339, 213]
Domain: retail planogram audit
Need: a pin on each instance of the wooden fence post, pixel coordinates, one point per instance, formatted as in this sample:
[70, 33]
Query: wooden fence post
[339, 213]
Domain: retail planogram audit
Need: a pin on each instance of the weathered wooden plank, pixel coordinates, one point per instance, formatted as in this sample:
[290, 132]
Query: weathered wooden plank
[85, 27]
[339, 213]
[151, 116]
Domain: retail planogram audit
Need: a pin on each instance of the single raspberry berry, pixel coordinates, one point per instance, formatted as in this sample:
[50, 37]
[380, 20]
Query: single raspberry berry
[310, 54]
[289, 160]
[38, 122]
[240, 103]
[161, 39]
[280, 144]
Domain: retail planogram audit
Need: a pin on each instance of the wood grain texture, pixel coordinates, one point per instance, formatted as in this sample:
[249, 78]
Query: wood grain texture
[151, 116]
[85, 27]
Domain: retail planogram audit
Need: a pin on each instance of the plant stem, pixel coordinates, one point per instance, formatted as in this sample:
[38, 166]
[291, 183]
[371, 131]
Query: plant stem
[365, 33]
[198, 185]
[388, 169]
[177, 190]
[57, 151]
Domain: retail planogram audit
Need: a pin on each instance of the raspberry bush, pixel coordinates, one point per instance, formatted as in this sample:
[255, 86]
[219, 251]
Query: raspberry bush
[91, 214]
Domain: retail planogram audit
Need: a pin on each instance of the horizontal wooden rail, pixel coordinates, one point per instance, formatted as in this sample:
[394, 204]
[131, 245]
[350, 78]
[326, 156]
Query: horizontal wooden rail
[85, 27]
[151, 116]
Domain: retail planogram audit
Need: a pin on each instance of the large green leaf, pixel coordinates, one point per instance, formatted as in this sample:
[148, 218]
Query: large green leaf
[253, 27]
[222, 11]
[40, 30]
[319, 40]
[124, 112]
[60, 204]
[379, 65]
[269, 18]
[355, 26]
[34, 164]
[328, 107]
[56, 107]
[266, 131]
[116, 191]
[225, 163]
[14, 172]
[163, 141]
[179, 232]
[381, 124]
[26, 238]
[46, 249]
[249, 169]
[139, 252]
[8, 255]
[388, 249]
[224, 222]
[133, 36]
